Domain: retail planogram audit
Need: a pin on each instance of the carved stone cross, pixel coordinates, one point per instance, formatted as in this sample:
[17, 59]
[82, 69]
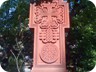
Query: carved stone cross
[49, 21]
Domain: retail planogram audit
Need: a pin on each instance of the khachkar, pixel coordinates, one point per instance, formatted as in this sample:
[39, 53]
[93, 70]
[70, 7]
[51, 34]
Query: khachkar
[49, 21]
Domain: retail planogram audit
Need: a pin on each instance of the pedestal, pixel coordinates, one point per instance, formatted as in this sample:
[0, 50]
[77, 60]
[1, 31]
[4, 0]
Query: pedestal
[48, 69]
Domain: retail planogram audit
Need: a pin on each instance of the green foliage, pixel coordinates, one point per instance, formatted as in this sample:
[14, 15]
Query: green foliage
[15, 36]
[82, 37]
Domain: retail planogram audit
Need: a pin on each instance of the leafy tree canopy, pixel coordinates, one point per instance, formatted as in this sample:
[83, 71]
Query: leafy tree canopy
[16, 42]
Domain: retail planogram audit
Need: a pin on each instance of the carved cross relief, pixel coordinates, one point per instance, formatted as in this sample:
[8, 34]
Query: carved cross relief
[49, 18]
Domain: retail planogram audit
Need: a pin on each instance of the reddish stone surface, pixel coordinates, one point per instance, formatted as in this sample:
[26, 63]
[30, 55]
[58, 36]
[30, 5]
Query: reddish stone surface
[49, 53]
[49, 21]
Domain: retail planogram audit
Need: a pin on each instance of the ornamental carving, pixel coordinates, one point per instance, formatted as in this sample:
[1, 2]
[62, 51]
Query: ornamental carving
[49, 53]
[49, 16]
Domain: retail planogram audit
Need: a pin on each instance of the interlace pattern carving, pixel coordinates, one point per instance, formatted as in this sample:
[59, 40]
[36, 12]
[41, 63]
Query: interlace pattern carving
[49, 16]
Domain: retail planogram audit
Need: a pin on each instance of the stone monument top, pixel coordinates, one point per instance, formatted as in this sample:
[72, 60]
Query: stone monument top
[49, 20]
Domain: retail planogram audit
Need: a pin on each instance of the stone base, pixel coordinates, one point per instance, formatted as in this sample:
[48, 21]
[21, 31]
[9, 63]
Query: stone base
[49, 70]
